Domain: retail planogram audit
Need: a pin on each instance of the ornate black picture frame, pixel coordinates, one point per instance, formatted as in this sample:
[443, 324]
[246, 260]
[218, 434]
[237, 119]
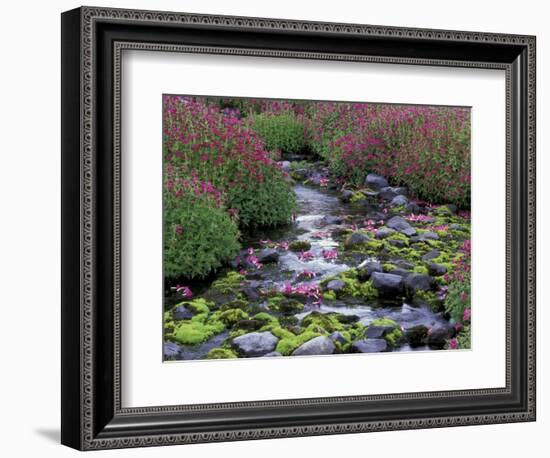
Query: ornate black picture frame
[92, 42]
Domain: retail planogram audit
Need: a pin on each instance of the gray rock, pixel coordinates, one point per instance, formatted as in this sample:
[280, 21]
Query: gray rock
[369, 346]
[285, 165]
[336, 285]
[398, 243]
[255, 343]
[403, 263]
[181, 312]
[400, 224]
[401, 272]
[346, 195]
[321, 345]
[268, 255]
[357, 238]
[331, 219]
[436, 269]
[388, 285]
[456, 227]
[418, 282]
[337, 336]
[388, 193]
[171, 350]
[439, 334]
[376, 216]
[272, 353]
[378, 332]
[417, 335]
[366, 269]
[375, 181]
[384, 232]
[412, 207]
[399, 200]
[428, 236]
[431, 255]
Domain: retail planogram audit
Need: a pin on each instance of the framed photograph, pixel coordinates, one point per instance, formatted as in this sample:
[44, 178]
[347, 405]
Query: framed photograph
[276, 228]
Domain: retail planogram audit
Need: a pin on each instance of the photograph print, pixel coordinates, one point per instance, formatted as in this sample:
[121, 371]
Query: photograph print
[301, 228]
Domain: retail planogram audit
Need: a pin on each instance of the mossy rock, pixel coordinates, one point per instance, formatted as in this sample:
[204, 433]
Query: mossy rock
[326, 321]
[356, 288]
[195, 332]
[238, 303]
[265, 317]
[231, 316]
[299, 245]
[284, 304]
[289, 341]
[393, 337]
[229, 284]
[221, 353]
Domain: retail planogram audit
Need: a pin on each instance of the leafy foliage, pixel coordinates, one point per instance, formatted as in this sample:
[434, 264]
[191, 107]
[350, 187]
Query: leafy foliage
[281, 132]
[424, 148]
[217, 147]
[199, 235]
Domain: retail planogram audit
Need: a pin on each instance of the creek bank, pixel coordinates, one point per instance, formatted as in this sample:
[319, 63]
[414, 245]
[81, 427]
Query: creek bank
[358, 271]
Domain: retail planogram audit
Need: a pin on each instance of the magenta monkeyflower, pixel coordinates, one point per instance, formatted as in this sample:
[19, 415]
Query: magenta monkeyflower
[453, 344]
[330, 254]
[467, 314]
[185, 291]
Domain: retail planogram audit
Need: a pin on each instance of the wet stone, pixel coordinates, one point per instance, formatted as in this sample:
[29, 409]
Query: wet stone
[369, 346]
[401, 225]
[376, 182]
[431, 255]
[388, 285]
[321, 345]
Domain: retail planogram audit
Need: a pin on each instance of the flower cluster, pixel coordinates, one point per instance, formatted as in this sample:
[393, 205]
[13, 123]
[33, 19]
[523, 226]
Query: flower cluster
[425, 148]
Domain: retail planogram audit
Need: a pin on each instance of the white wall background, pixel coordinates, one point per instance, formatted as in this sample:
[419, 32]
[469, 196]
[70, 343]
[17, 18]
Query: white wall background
[30, 214]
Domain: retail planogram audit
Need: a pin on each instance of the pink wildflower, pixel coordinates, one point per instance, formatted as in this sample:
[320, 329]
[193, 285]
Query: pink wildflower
[467, 314]
[330, 254]
[453, 344]
[185, 291]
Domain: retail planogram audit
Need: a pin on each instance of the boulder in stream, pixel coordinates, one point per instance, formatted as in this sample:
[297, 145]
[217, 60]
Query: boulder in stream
[401, 225]
[375, 181]
[255, 343]
[321, 345]
[388, 285]
[369, 346]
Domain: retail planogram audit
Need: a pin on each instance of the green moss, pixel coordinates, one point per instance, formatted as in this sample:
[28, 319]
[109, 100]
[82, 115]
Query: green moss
[420, 270]
[300, 245]
[428, 297]
[357, 197]
[221, 353]
[197, 306]
[284, 304]
[409, 254]
[393, 337]
[231, 316]
[238, 303]
[353, 287]
[264, 316]
[398, 236]
[289, 342]
[228, 284]
[195, 332]
[388, 267]
[329, 296]
[326, 321]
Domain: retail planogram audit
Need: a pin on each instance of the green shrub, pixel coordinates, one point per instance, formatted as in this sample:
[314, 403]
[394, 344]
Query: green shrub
[198, 235]
[284, 131]
[222, 152]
